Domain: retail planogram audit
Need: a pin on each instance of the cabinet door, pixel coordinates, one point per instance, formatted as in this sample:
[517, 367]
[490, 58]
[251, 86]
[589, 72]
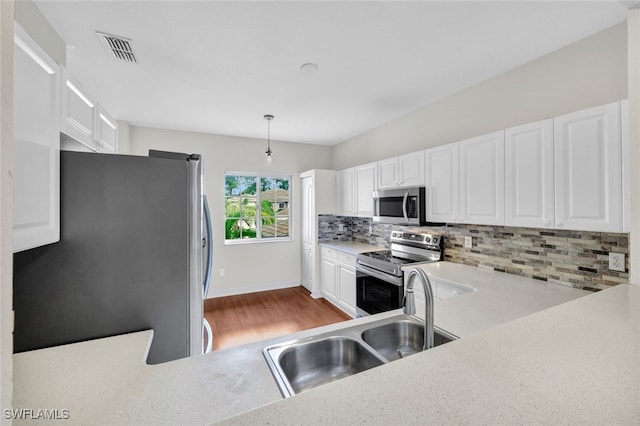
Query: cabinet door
[365, 177]
[106, 132]
[388, 173]
[529, 183]
[347, 288]
[36, 173]
[482, 179]
[442, 174]
[328, 277]
[411, 169]
[344, 192]
[78, 112]
[626, 174]
[587, 170]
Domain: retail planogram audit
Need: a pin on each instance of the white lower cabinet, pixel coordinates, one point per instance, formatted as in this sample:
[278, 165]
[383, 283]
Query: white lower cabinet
[338, 279]
[328, 267]
[588, 168]
[36, 172]
[346, 283]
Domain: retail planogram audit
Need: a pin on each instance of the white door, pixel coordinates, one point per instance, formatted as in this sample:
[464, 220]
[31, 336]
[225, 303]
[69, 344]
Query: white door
[344, 192]
[388, 173]
[36, 173]
[411, 169]
[365, 177]
[306, 224]
[529, 183]
[482, 179]
[442, 174]
[588, 170]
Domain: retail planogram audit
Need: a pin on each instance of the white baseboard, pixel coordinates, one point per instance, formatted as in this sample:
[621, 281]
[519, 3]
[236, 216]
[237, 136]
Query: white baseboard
[245, 290]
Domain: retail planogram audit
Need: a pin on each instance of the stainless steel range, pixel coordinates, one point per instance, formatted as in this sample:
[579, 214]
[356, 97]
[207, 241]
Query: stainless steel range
[379, 276]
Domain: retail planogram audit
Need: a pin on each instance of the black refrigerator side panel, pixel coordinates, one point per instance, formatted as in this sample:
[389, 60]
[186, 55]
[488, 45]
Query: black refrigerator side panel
[122, 261]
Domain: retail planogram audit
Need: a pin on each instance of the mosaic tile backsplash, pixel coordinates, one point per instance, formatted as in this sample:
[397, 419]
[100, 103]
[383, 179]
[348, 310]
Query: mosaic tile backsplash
[573, 258]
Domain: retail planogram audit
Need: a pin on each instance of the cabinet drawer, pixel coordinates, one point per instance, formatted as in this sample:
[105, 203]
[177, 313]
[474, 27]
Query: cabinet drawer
[347, 259]
[328, 252]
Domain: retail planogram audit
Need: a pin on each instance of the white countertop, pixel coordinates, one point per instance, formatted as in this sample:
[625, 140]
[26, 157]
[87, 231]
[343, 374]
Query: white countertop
[576, 363]
[499, 298]
[351, 247]
[538, 369]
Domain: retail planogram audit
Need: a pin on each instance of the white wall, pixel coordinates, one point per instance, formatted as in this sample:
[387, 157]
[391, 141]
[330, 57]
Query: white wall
[590, 72]
[6, 202]
[248, 267]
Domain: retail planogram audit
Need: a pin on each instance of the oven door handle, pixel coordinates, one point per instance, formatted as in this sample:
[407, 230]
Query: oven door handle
[404, 206]
[397, 281]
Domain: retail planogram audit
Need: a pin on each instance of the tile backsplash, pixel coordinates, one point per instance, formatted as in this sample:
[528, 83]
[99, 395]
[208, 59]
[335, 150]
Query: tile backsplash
[572, 258]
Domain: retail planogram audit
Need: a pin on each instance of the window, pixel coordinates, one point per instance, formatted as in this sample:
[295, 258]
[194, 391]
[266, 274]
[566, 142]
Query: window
[256, 207]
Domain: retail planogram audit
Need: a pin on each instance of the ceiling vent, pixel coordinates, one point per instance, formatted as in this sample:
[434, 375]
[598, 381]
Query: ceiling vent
[118, 47]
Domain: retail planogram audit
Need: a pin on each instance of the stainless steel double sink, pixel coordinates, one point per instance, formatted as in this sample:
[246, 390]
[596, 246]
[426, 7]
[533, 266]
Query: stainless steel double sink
[309, 362]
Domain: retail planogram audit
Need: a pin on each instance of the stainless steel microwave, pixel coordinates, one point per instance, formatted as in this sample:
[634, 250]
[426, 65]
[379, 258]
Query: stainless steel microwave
[404, 206]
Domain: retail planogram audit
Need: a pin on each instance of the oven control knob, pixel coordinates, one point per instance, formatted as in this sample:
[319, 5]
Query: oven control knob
[427, 239]
[434, 240]
[393, 234]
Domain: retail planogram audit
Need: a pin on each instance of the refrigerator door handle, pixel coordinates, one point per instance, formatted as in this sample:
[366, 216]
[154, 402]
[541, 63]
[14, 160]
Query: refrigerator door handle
[207, 274]
[209, 333]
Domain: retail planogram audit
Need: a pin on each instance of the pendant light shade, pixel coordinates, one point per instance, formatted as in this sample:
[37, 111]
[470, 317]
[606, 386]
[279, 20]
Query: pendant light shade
[268, 152]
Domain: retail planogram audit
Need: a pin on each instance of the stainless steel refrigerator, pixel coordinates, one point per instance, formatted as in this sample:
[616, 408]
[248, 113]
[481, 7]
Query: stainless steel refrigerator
[134, 254]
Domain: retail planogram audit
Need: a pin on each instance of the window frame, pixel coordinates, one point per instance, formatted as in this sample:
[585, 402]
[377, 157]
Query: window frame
[259, 239]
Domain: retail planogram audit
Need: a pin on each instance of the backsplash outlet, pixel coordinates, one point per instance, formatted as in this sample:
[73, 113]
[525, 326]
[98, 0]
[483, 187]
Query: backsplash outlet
[573, 258]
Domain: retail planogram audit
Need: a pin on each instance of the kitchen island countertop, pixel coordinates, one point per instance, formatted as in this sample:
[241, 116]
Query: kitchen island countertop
[575, 362]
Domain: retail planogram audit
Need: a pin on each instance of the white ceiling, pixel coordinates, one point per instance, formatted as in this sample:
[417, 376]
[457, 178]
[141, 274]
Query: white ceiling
[218, 67]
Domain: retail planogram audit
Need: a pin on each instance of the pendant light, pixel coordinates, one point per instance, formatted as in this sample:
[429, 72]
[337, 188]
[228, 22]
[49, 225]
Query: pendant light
[268, 152]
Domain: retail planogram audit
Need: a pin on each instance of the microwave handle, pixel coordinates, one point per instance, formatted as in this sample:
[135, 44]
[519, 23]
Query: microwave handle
[404, 206]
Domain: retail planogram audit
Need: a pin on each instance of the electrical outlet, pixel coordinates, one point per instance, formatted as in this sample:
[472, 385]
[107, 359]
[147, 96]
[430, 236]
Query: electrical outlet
[222, 272]
[468, 242]
[617, 262]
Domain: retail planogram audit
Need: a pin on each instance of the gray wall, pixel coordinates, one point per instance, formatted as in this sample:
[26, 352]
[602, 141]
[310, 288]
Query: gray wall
[248, 267]
[590, 72]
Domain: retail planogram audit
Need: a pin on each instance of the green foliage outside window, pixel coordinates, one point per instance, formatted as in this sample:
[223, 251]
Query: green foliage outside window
[248, 198]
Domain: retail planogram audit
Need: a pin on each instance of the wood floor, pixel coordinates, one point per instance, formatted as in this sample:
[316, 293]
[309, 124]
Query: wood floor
[246, 318]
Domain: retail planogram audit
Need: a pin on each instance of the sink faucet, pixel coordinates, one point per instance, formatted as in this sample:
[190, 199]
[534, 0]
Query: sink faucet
[410, 304]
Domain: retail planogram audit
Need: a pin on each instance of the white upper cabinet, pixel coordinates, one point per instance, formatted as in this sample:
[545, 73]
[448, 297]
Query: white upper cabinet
[443, 183]
[482, 179]
[106, 132]
[626, 176]
[365, 180]
[344, 192]
[388, 173]
[529, 183]
[403, 171]
[36, 172]
[78, 112]
[588, 170]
